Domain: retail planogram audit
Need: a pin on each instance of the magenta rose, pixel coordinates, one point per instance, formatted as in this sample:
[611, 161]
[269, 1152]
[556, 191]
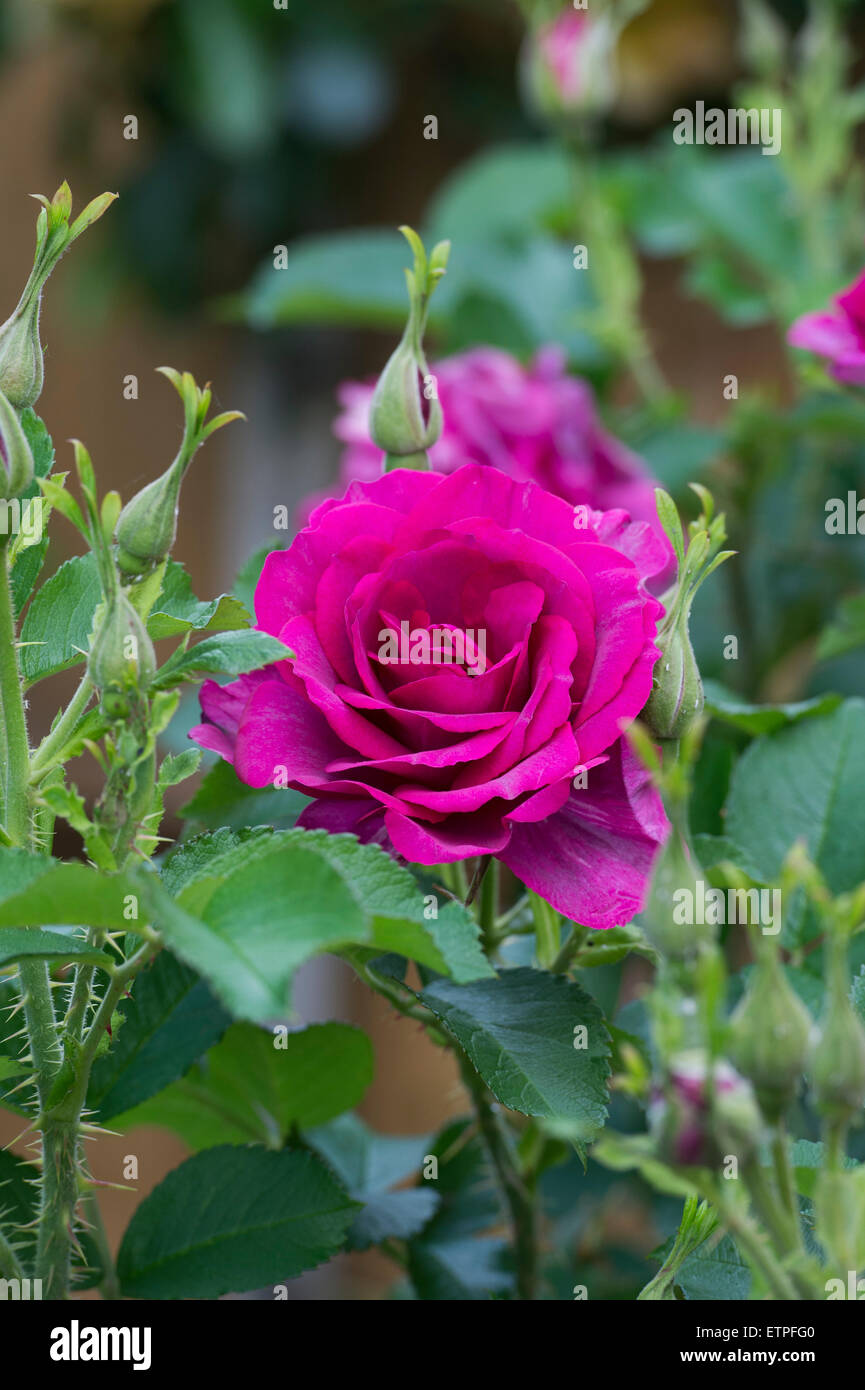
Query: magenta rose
[837, 334]
[441, 762]
[538, 424]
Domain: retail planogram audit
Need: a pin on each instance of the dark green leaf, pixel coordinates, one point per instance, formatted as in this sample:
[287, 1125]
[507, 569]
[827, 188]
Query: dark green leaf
[257, 1086]
[170, 1019]
[521, 1033]
[232, 1219]
[229, 654]
[18, 944]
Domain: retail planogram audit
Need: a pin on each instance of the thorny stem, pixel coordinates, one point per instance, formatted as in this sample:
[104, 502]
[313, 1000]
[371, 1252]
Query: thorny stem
[518, 1197]
[110, 1285]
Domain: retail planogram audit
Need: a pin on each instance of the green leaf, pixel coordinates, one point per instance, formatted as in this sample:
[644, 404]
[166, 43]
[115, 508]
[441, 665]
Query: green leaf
[223, 800]
[503, 193]
[804, 782]
[170, 1020]
[762, 719]
[256, 1086]
[232, 1219]
[35, 891]
[448, 942]
[846, 633]
[249, 917]
[177, 610]
[29, 561]
[60, 619]
[368, 1165]
[715, 1271]
[668, 515]
[339, 278]
[54, 946]
[520, 1032]
[229, 654]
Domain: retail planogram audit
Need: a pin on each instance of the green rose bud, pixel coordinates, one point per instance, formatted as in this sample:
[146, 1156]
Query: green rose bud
[838, 1063]
[770, 1036]
[21, 368]
[677, 699]
[147, 526]
[121, 662]
[16, 459]
[665, 919]
[405, 416]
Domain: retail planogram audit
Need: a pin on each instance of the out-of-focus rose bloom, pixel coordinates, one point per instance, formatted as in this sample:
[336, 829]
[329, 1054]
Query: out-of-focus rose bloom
[838, 334]
[536, 423]
[567, 66]
[698, 1124]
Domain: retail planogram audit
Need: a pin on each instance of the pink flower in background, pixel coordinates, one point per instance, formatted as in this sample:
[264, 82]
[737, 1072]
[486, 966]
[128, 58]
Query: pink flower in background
[538, 424]
[560, 45]
[436, 763]
[837, 334]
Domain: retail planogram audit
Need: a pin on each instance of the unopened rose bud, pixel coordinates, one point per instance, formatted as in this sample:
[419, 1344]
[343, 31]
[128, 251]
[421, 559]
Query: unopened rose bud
[698, 1120]
[147, 526]
[121, 662]
[568, 66]
[670, 926]
[16, 459]
[677, 699]
[405, 418]
[677, 696]
[770, 1036]
[21, 368]
[838, 1063]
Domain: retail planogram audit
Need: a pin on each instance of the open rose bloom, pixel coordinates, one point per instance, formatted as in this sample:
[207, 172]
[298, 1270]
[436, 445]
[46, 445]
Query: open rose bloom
[441, 762]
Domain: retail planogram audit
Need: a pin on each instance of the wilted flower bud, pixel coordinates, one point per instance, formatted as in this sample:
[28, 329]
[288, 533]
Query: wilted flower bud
[147, 526]
[697, 1120]
[770, 1035]
[405, 416]
[21, 369]
[838, 1062]
[16, 459]
[122, 662]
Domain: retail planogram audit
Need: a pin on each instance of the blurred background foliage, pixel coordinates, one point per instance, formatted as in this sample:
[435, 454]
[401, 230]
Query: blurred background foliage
[303, 127]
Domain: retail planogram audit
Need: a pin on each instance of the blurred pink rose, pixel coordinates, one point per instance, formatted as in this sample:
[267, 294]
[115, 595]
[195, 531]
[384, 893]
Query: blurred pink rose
[560, 45]
[837, 334]
[537, 424]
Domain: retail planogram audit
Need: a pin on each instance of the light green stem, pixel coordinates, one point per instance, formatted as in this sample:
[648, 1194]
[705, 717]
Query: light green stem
[50, 750]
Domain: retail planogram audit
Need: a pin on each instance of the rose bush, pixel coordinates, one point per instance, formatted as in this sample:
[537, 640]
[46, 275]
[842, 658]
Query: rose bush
[437, 764]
